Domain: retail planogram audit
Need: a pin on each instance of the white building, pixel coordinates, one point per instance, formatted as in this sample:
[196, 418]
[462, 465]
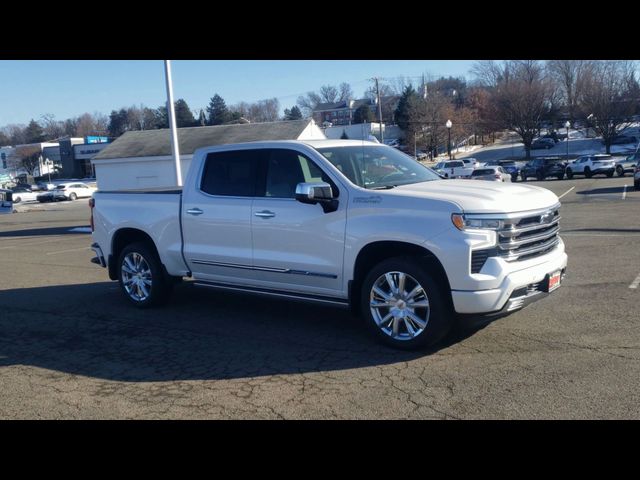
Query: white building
[144, 158]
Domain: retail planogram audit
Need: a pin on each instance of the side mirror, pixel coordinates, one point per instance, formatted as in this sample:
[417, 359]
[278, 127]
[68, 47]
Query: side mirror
[319, 192]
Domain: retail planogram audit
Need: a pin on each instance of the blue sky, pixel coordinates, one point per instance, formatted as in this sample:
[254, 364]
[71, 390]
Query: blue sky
[32, 88]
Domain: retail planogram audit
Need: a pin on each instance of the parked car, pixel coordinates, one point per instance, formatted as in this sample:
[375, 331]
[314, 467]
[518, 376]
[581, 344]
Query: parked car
[67, 191]
[542, 143]
[623, 139]
[405, 250]
[6, 201]
[627, 165]
[589, 165]
[492, 173]
[453, 169]
[636, 177]
[23, 193]
[541, 168]
[471, 162]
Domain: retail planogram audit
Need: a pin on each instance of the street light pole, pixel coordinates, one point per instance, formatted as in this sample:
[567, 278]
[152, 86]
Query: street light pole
[567, 125]
[449, 125]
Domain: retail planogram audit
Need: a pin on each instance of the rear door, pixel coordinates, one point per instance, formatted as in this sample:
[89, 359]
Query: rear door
[216, 217]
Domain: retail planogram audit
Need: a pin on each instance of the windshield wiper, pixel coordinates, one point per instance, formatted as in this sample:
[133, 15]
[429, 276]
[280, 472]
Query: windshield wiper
[383, 187]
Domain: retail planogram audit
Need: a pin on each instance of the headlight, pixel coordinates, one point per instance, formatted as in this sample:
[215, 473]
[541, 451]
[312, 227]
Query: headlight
[477, 222]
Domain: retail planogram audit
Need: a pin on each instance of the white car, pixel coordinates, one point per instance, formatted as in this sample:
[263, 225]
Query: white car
[471, 162]
[453, 169]
[24, 194]
[590, 165]
[492, 173]
[67, 191]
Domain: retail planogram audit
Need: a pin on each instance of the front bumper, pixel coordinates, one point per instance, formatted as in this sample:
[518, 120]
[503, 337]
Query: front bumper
[518, 289]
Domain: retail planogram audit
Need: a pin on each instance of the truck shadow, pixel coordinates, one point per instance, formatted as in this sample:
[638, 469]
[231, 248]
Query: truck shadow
[601, 191]
[91, 330]
[37, 232]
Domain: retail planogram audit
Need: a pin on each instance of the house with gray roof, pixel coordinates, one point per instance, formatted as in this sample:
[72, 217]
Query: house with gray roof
[139, 159]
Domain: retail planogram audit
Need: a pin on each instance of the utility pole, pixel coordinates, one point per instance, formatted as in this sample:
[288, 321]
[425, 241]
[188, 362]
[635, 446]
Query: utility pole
[379, 110]
[172, 122]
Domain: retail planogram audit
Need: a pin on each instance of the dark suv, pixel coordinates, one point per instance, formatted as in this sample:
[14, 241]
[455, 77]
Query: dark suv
[542, 168]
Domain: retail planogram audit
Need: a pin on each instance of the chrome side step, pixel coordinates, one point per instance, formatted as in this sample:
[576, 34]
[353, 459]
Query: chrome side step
[301, 297]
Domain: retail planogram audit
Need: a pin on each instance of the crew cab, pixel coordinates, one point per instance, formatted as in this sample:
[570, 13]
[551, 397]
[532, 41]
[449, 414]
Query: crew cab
[453, 169]
[590, 165]
[338, 222]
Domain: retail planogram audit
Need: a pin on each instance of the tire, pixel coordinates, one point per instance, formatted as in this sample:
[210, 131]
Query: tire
[400, 325]
[636, 185]
[587, 172]
[141, 276]
[17, 199]
[523, 176]
[609, 174]
[569, 173]
[540, 176]
[561, 177]
[620, 171]
[72, 196]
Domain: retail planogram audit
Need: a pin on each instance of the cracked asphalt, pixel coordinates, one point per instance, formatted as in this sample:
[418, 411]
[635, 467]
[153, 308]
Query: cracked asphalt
[72, 348]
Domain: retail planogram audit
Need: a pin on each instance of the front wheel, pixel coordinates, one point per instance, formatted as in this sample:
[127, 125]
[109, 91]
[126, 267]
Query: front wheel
[620, 171]
[72, 196]
[403, 305]
[141, 276]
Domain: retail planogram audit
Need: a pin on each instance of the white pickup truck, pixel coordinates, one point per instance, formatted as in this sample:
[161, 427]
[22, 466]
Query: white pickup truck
[454, 169]
[339, 222]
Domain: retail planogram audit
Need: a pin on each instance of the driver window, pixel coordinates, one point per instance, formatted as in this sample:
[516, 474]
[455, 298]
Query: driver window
[286, 169]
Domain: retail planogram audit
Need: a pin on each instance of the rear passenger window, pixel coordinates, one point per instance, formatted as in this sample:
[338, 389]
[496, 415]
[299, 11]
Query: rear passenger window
[230, 174]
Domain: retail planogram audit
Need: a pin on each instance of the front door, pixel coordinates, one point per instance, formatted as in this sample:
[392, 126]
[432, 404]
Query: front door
[296, 246]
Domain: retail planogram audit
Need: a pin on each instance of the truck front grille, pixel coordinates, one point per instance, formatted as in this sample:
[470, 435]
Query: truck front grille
[522, 238]
[530, 236]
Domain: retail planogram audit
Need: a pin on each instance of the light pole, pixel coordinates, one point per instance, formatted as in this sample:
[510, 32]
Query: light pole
[449, 125]
[567, 125]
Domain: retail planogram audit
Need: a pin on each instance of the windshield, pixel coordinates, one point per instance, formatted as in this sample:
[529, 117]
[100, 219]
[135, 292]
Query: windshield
[370, 166]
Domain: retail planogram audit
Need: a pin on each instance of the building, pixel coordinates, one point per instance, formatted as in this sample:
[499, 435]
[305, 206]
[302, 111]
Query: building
[341, 113]
[144, 158]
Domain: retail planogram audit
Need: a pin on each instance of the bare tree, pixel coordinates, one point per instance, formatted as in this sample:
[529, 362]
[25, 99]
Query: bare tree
[327, 94]
[27, 157]
[567, 74]
[607, 94]
[520, 91]
[345, 92]
[427, 119]
[51, 127]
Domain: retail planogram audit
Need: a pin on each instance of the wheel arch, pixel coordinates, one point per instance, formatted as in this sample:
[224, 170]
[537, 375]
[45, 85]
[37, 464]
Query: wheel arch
[123, 237]
[375, 252]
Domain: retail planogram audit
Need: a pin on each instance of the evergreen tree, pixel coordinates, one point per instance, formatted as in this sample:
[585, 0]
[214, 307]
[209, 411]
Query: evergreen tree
[34, 133]
[363, 114]
[217, 110]
[118, 122]
[403, 110]
[184, 116]
[293, 114]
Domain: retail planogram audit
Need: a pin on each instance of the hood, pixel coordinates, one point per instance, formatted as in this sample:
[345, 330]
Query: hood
[475, 196]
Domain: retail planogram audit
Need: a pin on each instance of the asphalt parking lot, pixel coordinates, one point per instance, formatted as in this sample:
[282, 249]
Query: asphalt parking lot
[72, 348]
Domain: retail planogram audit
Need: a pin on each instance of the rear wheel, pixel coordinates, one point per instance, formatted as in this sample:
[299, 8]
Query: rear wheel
[72, 196]
[141, 276]
[403, 305]
[620, 171]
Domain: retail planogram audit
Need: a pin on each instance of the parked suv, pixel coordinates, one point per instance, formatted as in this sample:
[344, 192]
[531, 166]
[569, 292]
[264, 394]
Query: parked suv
[636, 176]
[542, 168]
[543, 143]
[627, 165]
[589, 165]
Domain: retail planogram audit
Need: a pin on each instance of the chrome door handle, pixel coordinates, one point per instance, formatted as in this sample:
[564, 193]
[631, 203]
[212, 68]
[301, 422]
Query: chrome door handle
[265, 214]
[195, 211]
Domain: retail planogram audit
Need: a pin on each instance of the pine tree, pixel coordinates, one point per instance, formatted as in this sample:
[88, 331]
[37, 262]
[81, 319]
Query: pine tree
[217, 110]
[33, 133]
[363, 114]
[184, 117]
[293, 114]
[403, 111]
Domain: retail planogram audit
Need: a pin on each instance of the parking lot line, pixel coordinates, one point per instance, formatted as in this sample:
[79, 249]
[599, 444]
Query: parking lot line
[636, 282]
[29, 244]
[567, 192]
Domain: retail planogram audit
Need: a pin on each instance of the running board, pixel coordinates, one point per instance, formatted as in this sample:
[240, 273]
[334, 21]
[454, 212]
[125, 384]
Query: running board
[301, 297]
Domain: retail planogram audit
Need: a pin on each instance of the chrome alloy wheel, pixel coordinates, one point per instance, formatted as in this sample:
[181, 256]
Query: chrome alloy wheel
[136, 276]
[399, 305]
